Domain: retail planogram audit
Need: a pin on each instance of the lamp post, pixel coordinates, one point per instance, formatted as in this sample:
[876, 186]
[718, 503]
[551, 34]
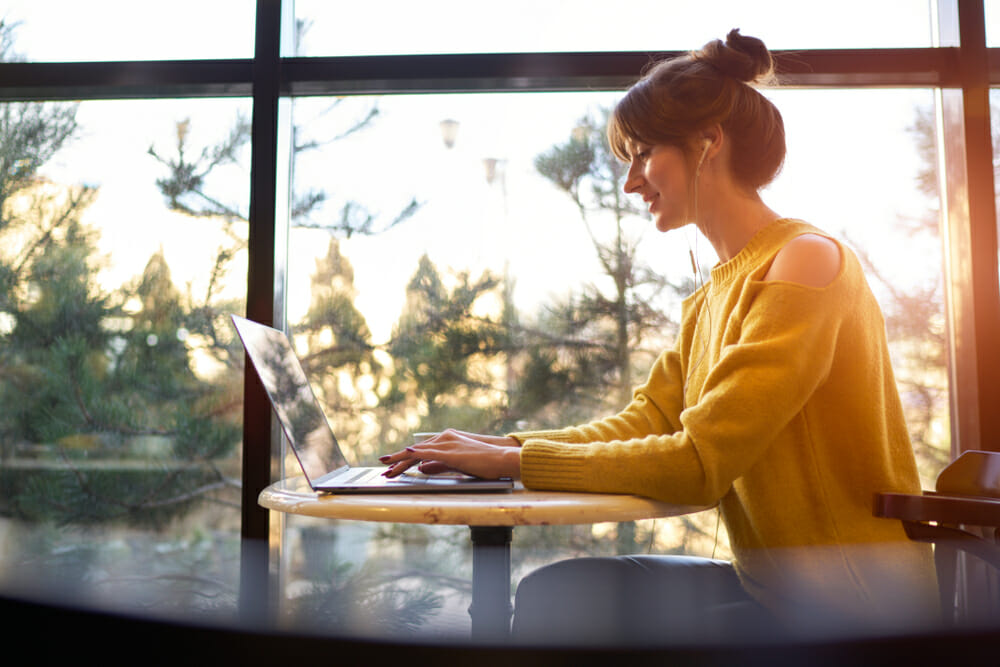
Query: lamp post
[449, 132]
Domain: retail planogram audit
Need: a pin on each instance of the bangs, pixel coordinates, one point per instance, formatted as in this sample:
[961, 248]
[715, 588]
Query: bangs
[623, 123]
[619, 137]
[637, 119]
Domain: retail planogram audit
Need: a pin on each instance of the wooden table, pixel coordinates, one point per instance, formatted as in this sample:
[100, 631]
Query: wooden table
[491, 518]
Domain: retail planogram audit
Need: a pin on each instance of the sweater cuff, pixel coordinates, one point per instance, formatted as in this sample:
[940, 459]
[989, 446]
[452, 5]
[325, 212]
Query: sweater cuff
[552, 466]
[560, 435]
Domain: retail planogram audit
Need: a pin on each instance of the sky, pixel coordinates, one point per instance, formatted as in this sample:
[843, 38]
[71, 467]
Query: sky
[851, 163]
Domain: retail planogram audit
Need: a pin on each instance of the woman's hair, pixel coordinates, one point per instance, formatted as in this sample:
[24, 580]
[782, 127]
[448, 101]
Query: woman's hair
[677, 99]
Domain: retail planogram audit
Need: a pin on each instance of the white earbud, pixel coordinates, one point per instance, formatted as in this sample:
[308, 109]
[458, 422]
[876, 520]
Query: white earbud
[707, 144]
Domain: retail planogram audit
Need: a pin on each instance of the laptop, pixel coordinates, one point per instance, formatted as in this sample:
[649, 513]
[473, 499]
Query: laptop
[310, 436]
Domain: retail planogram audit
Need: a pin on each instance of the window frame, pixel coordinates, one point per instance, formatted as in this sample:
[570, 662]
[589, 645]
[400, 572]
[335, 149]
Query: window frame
[961, 67]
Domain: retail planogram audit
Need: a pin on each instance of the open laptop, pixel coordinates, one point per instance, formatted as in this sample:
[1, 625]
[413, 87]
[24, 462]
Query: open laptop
[309, 433]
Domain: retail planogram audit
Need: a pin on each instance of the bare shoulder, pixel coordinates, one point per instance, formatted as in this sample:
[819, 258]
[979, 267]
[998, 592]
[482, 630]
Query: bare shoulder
[809, 259]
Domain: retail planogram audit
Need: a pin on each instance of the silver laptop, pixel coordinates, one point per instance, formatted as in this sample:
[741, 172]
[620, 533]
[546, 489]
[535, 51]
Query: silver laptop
[309, 433]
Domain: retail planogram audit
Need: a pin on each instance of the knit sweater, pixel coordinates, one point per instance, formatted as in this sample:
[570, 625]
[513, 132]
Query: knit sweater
[777, 401]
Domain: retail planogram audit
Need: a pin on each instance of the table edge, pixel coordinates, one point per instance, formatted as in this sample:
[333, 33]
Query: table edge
[510, 512]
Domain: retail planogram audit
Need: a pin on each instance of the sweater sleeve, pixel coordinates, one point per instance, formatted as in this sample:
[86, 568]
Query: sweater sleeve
[655, 408]
[755, 387]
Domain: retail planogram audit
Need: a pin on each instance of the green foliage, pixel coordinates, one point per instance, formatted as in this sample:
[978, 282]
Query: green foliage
[102, 417]
[585, 343]
[32, 134]
[363, 602]
[442, 346]
[568, 164]
[139, 493]
[82, 410]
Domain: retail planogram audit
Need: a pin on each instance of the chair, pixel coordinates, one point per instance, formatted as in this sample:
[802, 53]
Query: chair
[962, 514]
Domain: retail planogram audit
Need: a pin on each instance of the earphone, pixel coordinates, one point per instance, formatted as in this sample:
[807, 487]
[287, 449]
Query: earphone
[695, 265]
[696, 268]
[707, 143]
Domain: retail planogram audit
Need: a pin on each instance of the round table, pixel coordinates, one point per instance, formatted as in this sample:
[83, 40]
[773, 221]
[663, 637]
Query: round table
[491, 516]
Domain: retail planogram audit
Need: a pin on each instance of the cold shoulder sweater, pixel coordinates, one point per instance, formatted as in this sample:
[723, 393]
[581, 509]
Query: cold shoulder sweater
[778, 401]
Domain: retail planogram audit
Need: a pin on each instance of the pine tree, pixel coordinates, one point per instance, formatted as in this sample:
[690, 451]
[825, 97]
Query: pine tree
[591, 338]
[101, 415]
[341, 361]
[447, 353]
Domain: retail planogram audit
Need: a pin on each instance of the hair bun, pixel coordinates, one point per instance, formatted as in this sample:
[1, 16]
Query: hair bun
[742, 57]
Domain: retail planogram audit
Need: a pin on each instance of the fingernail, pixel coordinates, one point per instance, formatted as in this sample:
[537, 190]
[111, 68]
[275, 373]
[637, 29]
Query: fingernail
[383, 459]
[410, 449]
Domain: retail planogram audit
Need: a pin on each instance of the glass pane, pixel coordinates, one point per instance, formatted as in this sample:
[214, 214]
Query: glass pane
[454, 26]
[123, 250]
[106, 30]
[991, 9]
[835, 176]
[441, 275]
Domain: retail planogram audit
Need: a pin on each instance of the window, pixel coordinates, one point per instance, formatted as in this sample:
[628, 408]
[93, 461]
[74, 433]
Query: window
[122, 388]
[452, 26]
[132, 219]
[439, 218]
[113, 30]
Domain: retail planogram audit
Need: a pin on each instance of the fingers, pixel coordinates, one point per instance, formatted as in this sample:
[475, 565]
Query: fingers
[447, 451]
[421, 455]
[399, 462]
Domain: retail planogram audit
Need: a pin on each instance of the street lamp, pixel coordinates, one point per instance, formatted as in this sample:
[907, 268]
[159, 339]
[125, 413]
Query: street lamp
[490, 165]
[449, 131]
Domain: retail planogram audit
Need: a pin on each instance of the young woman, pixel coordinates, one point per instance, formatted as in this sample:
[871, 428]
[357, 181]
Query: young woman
[777, 401]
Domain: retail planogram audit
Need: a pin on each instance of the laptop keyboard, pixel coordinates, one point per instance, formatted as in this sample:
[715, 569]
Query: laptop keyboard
[368, 473]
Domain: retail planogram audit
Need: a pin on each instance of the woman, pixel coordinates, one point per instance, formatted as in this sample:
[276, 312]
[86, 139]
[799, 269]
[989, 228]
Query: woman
[777, 401]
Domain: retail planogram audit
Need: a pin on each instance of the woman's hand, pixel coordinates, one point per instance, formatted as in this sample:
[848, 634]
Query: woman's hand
[485, 456]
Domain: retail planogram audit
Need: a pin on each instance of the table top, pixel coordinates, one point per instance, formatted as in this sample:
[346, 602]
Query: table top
[520, 507]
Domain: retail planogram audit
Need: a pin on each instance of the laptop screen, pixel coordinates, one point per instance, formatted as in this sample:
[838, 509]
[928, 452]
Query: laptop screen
[303, 421]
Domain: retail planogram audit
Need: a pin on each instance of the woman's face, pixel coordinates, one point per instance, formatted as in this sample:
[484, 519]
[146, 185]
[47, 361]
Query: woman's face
[660, 174]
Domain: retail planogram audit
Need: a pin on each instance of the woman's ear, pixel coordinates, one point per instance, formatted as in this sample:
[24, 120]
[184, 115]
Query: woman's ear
[713, 138]
[711, 144]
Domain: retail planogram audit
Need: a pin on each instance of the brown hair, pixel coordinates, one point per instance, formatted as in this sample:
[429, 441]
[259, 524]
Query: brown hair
[678, 98]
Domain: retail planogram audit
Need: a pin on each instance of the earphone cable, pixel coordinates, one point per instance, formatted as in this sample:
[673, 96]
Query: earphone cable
[699, 283]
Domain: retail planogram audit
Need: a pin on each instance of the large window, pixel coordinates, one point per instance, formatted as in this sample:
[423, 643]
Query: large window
[418, 255]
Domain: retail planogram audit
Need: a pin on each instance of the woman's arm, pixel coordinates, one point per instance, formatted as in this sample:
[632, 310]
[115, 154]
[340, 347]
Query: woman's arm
[491, 456]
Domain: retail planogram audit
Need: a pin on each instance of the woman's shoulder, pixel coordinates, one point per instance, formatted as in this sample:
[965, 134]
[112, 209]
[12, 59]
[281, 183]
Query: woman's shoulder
[809, 259]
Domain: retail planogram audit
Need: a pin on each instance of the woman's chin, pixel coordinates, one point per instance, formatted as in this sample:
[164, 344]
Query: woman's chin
[667, 224]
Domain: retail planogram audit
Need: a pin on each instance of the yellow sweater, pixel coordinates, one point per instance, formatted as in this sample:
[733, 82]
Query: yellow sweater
[779, 402]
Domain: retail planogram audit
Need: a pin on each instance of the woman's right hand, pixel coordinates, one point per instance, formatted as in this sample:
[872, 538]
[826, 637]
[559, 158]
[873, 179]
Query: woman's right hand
[485, 456]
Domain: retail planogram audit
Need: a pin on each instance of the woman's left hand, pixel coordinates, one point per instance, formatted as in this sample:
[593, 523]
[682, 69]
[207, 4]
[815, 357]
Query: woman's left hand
[488, 457]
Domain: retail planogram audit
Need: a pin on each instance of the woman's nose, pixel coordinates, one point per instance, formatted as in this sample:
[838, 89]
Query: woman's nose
[633, 179]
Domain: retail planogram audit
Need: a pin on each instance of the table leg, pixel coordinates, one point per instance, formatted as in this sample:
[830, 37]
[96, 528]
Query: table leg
[491, 609]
